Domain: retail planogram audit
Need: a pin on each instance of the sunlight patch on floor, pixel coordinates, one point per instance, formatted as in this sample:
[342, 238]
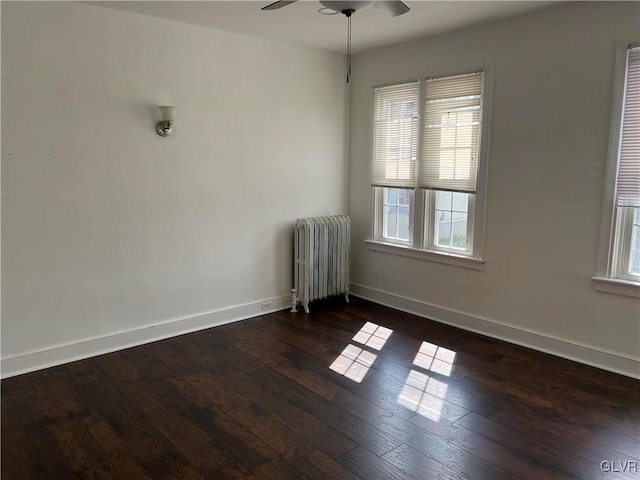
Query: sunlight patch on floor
[423, 395]
[437, 359]
[353, 363]
[373, 335]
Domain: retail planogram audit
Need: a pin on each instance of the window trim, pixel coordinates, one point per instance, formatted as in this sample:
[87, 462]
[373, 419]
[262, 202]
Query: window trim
[483, 167]
[607, 277]
[418, 247]
[428, 255]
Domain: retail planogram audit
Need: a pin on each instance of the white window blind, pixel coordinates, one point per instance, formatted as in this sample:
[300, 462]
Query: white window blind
[395, 135]
[628, 182]
[451, 131]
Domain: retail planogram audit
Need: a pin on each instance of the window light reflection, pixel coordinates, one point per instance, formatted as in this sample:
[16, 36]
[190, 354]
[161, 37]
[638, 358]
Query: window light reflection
[373, 335]
[353, 363]
[437, 359]
[423, 395]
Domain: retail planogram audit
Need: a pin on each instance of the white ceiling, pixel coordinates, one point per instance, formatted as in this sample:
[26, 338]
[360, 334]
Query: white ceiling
[300, 22]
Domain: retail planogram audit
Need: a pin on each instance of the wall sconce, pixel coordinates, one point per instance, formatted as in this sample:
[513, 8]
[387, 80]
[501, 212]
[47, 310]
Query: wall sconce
[164, 127]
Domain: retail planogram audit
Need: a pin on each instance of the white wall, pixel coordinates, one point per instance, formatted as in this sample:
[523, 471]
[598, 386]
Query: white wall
[107, 227]
[553, 74]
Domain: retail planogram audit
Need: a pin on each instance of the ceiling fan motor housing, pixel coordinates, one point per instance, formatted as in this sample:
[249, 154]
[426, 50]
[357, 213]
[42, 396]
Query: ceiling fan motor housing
[342, 5]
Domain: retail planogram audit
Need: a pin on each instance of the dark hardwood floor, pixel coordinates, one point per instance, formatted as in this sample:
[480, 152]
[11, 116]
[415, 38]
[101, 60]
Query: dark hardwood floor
[322, 396]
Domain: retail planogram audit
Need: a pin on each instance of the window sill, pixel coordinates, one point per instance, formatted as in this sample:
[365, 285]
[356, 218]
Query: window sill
[621, 287]
[429, 255]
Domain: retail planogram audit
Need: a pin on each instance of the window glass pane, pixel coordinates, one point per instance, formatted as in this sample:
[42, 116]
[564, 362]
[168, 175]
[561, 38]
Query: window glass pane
[390, 222]
[460, 202]
[451, 220]
[443, 228]
[396, 214]
[403, 223]
[403, 197]
[459, 230]
[392, 196]
[443, 200]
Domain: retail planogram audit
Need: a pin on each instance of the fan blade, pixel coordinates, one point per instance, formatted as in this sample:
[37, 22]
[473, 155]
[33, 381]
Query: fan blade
[279, 4]
[392, 7]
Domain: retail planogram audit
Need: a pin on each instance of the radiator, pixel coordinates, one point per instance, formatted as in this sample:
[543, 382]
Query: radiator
[321, 259]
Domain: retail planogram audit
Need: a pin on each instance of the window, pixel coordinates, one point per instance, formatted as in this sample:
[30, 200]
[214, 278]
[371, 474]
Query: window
[619, 255]
[428, 164]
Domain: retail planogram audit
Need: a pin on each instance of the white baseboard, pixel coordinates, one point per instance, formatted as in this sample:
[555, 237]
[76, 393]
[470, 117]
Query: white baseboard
[606, 360]
[50, 357]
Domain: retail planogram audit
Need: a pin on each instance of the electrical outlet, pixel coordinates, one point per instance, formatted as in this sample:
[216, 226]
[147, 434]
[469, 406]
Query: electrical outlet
[268, 305]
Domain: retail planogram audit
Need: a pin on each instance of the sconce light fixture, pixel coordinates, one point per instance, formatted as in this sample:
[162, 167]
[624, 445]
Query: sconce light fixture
[164, 127]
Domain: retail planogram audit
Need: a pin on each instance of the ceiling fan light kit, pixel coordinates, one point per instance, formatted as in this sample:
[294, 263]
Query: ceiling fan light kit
[341, 6]
[327, 11]
[348, 8]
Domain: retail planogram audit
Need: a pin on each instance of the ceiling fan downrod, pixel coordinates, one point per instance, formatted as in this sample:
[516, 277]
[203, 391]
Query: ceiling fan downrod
[347, 13]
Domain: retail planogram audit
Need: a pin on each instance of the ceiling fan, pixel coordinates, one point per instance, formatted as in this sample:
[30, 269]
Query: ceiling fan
[393, 8]
[390, 7]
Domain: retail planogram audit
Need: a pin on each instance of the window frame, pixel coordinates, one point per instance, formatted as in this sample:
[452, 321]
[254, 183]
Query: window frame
[616, 225]
[422, 201]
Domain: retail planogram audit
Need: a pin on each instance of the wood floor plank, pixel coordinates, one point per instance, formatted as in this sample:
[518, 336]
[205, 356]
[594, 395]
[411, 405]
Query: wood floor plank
[69, 449]
[593, 440]
[31, 403]
[235, 472]
[10, 418]
[198, 447]
[226, 430]
[186, 473]
[17, 454]
[144, 360]
[199, 347]
[153, 451]
[49, 456]
[460, 442]
[577, 463]
[298, 420]
[84, 371]
[280, 469]
[173, 359]
[333, 414]
[282, 440]
[419, 465]
[64, 398]
[117, 367]
[108, 456]
[373, 467]
[319, 466]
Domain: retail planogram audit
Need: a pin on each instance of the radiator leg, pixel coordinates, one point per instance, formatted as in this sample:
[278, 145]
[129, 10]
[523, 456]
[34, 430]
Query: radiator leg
[346, 297]
[294, 300]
